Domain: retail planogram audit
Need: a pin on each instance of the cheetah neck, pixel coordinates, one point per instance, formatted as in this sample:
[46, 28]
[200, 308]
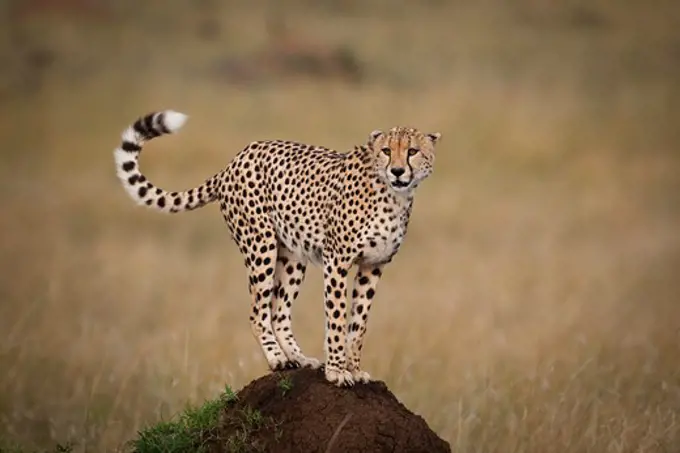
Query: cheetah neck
[384, 197]
[386, 223]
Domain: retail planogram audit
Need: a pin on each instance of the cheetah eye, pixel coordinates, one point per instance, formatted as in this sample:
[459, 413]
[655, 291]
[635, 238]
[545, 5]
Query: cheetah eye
[387, 151]
[412, 151]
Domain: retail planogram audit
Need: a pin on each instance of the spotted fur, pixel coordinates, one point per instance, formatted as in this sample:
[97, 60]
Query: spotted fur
[287, 204]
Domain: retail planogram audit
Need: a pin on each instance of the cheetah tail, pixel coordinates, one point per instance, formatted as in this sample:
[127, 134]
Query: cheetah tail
[135, 183]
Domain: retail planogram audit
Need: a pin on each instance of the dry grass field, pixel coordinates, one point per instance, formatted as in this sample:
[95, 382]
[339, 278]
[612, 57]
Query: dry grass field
[535, 305]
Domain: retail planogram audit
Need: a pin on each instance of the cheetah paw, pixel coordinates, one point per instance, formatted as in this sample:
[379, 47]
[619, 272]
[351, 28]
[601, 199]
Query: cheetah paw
[284, 365]
[302, 361]
[310, 362]
[361, 376]
[338, 376]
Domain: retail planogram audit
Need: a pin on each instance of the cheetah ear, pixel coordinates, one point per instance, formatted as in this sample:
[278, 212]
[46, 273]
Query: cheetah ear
[434, 137]
[373, 136]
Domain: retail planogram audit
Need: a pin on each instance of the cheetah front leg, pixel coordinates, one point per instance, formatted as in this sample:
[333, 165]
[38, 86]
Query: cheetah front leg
[335, 298]
[290, 273]
[365, 283]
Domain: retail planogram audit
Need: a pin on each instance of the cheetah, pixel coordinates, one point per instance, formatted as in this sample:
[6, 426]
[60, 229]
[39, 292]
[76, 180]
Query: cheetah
[288, 204]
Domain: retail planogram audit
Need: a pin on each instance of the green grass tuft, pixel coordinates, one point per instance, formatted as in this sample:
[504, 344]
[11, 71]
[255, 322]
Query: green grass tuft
[286, 385]
[229, 396]
[196, 427]
[188, 431]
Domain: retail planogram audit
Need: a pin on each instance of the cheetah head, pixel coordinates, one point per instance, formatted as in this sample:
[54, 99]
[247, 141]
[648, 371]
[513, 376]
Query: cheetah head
[403, 156]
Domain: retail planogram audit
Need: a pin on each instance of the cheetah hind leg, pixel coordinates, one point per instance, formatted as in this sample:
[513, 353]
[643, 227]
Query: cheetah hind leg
[261, 276]
[290, 273]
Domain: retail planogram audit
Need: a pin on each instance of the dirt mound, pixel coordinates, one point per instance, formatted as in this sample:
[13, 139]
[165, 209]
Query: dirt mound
[298, 411]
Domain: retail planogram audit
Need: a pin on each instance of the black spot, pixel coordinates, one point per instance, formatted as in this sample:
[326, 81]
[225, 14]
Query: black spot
[128, 166]
[142, 191]
[363, 280]
[329, 304]
[370, 293]
[161, 202]
[336, 314]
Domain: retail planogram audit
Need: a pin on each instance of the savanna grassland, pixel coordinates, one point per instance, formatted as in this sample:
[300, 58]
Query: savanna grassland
[534, 306]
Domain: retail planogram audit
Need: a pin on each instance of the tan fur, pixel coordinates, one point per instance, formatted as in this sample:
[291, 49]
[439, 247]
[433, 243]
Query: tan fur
[287, 204]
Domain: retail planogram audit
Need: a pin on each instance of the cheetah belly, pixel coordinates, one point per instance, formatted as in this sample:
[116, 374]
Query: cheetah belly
[311, 253]
[303, 245]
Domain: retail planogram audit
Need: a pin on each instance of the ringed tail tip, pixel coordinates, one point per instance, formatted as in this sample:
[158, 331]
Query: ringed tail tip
[174, 120]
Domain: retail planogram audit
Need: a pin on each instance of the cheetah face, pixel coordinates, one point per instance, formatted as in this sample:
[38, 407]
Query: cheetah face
[403, 156]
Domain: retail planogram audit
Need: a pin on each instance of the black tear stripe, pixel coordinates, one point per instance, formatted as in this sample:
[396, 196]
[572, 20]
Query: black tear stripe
[408, 162]
[387, 168]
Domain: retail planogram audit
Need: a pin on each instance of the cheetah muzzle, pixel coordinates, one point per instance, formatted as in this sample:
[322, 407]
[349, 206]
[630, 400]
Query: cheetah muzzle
[288, 204]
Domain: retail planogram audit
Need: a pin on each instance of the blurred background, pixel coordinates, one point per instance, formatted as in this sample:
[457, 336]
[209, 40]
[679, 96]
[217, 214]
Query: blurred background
[534, 304]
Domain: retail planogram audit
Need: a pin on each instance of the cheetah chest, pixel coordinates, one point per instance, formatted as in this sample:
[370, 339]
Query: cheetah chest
[383, 241]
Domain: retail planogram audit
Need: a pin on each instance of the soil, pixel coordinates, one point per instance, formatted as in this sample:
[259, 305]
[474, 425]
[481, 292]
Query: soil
[298, 411]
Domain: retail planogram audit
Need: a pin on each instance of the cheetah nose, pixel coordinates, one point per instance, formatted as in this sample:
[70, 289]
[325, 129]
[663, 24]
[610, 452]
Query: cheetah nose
[397, 171]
